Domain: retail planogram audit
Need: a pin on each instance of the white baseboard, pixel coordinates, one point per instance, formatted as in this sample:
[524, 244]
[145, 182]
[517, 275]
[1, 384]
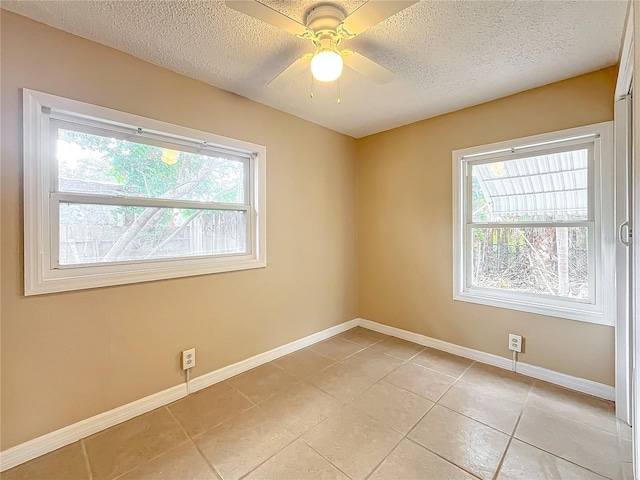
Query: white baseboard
[208, 379]
[72, 433]
[582, 385]
[59, 438]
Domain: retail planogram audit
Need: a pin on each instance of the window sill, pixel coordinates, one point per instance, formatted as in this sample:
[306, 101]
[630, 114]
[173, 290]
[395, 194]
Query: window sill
[54, 281]
[537, 307]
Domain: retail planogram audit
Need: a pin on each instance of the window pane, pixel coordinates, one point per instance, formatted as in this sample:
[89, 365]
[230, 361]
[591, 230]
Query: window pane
[113, 233]
[551, 261]
[94, 164]
[549, 188]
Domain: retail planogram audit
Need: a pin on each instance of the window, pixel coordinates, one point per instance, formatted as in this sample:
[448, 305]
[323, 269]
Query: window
[533, 224]
[113, 198]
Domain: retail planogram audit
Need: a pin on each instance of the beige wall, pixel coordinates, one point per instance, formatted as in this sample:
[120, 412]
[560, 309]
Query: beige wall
[65, 356]
[405, 228]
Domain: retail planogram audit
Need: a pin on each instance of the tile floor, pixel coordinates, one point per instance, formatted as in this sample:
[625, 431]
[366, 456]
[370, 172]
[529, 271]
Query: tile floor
[359, 405]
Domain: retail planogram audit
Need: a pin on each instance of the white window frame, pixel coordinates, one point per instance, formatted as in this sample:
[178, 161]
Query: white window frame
[42, 272]
[600, 309]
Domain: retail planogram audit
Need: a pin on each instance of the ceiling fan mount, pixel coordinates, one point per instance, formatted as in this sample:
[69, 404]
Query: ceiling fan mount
[324, 17]
[326, 25]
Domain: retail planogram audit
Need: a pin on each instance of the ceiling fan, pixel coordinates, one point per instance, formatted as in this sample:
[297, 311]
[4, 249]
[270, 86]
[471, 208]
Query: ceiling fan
[326, 25]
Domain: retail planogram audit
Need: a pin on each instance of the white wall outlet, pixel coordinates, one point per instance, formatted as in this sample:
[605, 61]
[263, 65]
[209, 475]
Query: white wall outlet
[515, 342]
[188, 359]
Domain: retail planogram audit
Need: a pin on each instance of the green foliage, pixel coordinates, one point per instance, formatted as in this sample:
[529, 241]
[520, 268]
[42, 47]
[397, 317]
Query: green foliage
[141, 172]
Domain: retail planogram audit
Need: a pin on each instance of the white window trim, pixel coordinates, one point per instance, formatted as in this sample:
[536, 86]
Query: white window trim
[602, 309]
[41, 278]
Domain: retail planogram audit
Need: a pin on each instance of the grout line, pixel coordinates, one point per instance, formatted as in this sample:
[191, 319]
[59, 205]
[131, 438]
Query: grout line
[342, 359]
[172, 448]
[504, 454]
[513, 432]
[175, 447]
[325, 458]
[296, 436]
[204, 457]
[405, 360]
[567, 460]
[405, 436]
[547, 409]
[233, 387]
[443, 458]
[86, 459]
[270, 457]
[383, 459]
[438, 399]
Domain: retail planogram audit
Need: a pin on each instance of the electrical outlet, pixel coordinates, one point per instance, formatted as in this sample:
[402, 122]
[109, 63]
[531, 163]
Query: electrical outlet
[188, 359]
[515, 342]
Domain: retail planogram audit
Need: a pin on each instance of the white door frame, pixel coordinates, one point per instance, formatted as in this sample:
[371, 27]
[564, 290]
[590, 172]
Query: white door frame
[623, 135]
[631, 57]
[622, 125]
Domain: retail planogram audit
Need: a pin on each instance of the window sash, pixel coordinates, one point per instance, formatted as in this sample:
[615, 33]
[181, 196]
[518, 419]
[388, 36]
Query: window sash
[57, 198]
[516, 153]
[93, 127]
[143, 139]
[516, 150]
[601, 235]
[591, 249]
[85, 124]
[541, 150]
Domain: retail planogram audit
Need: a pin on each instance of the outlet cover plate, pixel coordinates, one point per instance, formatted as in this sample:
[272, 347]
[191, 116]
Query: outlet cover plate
[515, 342]
[188, 358]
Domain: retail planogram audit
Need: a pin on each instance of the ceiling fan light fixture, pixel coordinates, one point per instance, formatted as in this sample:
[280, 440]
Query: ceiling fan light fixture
[326, 65]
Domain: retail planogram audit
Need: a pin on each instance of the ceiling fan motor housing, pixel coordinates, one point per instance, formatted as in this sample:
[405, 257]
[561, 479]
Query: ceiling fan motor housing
[324, 18]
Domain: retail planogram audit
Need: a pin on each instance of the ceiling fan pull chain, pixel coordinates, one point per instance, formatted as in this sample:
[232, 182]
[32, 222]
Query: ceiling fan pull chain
[338, 84]
[311, 92]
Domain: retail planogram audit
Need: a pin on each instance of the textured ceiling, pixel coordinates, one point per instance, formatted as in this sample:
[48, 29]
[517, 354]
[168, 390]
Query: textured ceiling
[446, 55]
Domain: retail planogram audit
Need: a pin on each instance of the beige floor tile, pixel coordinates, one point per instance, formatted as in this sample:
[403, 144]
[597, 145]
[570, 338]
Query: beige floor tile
[421, 380]
[524, 462]
[624, 430]
[209, 407]
[344, 381]
[442, 362]
[65, 463]
[576, 406]
[305, 362]
[264, 381]
[183, 463]
[483, 405]
[238, 446]
[374, 362]
[336, 348]
[352, 441]
[411, 461]
[297, 461]
[398, 347]
[132, 443]
[301, 407]
[579, 443]
[362, 336]
[503, 381]
[461, 440]
[394, 406]
[625, 450]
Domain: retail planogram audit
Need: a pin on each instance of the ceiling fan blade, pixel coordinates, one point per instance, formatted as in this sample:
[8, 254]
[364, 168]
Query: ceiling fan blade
[292, 71]
[268, 15]
[367, 67]
[370, 14]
